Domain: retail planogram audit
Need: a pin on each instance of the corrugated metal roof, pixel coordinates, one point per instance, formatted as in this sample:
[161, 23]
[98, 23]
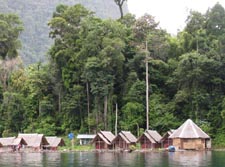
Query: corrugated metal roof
[85, 136]
[189, 130]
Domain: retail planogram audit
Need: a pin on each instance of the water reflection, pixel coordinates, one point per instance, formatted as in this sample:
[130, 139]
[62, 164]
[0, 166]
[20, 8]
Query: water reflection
[156, 159]
[35, 159]
[190, 158]
[112, 159]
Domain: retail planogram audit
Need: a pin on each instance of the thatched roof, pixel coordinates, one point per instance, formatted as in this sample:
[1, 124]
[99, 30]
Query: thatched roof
[12, 141]
[167, 134]
[18, 141]
[127, 136]
[34, 139]
[189, 130]
[155, 135]
[152, 135]
[7, 141]
[106, 136]
[170, 131]
[148, 136]
[130, 137]
[55, 141]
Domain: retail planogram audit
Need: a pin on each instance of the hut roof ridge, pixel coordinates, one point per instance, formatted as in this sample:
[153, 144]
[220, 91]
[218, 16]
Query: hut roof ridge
[129, 136]
[108, 135]
[154, 135]
[189, 130]
[194, 129]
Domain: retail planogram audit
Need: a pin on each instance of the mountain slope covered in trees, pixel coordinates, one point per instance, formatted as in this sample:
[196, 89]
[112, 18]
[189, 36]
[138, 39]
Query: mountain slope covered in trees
[35, 16]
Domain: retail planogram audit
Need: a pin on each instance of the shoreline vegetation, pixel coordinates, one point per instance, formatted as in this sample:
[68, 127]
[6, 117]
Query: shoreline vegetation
[90, 148]
[108, 151]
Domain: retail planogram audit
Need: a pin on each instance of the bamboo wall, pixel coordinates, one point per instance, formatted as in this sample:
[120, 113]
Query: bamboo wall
[189, 144]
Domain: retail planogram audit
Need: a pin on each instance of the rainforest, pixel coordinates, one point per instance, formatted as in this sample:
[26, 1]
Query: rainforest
[95, 75]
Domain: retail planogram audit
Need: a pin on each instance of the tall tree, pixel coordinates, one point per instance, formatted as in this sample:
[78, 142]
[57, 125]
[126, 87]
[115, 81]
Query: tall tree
[102, 68]
[120, 5]
[215, 20]
[11, 27]
[143, 29]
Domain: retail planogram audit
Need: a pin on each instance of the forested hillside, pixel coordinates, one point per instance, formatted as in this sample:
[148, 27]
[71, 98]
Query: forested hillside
[97, 68]
[35, 16]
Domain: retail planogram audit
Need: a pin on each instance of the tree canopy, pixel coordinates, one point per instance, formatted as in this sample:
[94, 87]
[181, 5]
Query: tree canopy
[97, 68]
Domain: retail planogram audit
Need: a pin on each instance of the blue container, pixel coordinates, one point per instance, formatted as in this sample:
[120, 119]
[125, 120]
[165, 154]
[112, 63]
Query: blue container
[171, 149]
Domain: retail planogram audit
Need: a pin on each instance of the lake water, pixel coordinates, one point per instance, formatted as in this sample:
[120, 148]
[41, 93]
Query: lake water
[110, 159]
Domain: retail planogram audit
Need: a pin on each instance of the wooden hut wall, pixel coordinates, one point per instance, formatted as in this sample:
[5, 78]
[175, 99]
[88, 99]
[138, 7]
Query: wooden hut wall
[196, 144]
[100, 144]
[147, 144]
[177, 143]
[120, 143]
[208, 143]
[167, 142]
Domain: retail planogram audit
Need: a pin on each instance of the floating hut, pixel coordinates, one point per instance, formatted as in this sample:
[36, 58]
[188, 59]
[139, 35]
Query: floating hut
[12, 143]
[166, 141]
[103, 140]
[150, 139]
[85, 139]
[124, 140]
[54, 142]
[34, 141]
[190, 137]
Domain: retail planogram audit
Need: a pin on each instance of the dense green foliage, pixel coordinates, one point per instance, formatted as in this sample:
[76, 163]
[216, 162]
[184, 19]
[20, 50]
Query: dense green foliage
[35, 16]
[95, 65]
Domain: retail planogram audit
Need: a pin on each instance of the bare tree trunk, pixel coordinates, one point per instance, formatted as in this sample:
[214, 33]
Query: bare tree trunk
[147, 88]
[6, 68]
[88, 104]
[105, 112]
[121, 11]
[97, 112]
[116, 119]
[39, 108]
[120, 4]
[138, 130]
[59, 100]
[4, 75]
